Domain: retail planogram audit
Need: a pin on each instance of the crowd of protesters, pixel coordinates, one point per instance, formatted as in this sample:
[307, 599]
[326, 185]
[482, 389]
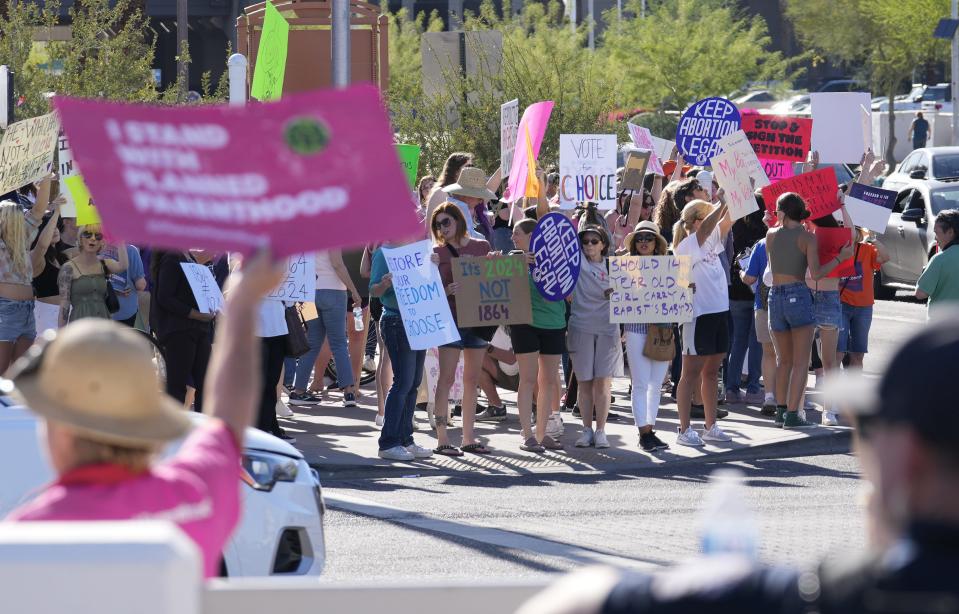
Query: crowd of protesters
[764, 308]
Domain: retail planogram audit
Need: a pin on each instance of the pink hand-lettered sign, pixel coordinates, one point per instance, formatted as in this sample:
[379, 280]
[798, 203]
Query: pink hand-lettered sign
[310, 172]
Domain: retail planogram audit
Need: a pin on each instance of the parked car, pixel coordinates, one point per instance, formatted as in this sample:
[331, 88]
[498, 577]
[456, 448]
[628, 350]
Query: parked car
[922, 97]
[794, 104]
[281, 526]
[757, 99]
[908, 236]
[843, 85]
[927, 163]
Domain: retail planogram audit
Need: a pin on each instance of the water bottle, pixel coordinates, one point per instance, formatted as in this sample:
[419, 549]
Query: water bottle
[728, 525]
[358, 318]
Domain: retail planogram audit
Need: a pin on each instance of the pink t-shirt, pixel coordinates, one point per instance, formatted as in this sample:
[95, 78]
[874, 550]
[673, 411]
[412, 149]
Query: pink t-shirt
[198, 489]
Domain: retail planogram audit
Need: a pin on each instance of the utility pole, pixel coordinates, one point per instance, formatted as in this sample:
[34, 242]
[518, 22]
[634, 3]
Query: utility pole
[341, 42]
[955, 77]
[182, 33]
[592, 25]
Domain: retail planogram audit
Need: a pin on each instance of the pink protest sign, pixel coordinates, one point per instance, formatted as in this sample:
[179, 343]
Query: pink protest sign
[293, 175]
[534, 119]
[777, 170]
[643, 139]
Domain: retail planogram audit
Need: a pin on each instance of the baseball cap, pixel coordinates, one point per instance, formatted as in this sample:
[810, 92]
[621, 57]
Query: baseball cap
[917, 388]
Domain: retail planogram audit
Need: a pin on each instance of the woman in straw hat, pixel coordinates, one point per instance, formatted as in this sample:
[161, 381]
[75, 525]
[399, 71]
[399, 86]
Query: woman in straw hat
[646, 374]
[104, 421]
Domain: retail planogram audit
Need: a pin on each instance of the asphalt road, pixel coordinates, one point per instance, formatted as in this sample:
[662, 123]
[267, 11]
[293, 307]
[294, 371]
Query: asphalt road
[805, 498]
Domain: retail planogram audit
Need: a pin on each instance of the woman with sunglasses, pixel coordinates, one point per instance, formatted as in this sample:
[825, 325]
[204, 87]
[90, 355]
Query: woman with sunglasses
[452, 241]
[646, 374]
[593, 341]
[83, 279]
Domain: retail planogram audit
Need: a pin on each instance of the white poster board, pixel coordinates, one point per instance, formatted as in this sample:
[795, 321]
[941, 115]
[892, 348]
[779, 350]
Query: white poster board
[587, 170]
[738, 142]
[643, 139]
[26, 152]
[299, 285]
[421, 296]
[66, 168]
[208, 297]
[837, 126]
[731, 171]
[508, 128]
[869, 207]
[650, 289]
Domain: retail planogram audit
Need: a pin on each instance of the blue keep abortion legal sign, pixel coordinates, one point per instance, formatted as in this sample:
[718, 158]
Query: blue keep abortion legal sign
[702, 126]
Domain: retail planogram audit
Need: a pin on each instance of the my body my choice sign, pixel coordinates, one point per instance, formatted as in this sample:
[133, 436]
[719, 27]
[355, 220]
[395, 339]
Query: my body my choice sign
[701, 127]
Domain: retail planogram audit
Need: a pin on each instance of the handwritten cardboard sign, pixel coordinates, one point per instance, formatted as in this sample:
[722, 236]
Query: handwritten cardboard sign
[730, 169]
[701, 127]
[778, 138]
[870, 207]
[829, 242]
[508, 129]
[410, 159]
[533, 123]
[736, 142]
[777, 170]
[209, 298]
[270, 68]
[421, 296]
[644, 139]
[299, 285]
[492, 291]
[818, 188]
[587, 170]
[26, 152]
[555, 244]
[634, 172]
[650, 289]
[65, 168]
[281, 175]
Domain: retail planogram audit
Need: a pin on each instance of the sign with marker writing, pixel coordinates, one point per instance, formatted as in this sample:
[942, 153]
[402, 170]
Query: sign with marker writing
[738, 143]
[650, 289]
[644, 139]
[777, 170]
[818, 188]
[421, 296]
[410, 159]
[508, 129]
[555, 244]
[26, 152]
[270, 68]
[587, 170]
[701, 127]
[65, 168]
[299, 285]
[778, 138]
[207, 293]
[730, 171]
[870, 207]
[492, 291]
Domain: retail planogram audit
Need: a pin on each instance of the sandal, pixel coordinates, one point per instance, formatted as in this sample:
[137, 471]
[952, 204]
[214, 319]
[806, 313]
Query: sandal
[476, 448]
[447, 450]
[551, 444]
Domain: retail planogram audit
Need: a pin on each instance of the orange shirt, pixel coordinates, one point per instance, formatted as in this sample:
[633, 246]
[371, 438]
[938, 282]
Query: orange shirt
[857, 290]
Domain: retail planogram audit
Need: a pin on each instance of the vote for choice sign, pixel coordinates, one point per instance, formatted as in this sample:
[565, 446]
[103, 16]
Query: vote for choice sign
[587, 170]
[701, 127]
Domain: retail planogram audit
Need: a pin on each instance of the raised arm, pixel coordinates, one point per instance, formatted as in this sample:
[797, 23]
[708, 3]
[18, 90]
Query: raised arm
[709, 224]
[44, 239]
[43, 199]
[233, 380]
[121, 263]
[657, 190]
[678, 171]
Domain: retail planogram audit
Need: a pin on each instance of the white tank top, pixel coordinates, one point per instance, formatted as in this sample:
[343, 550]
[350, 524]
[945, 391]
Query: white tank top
[326, 277]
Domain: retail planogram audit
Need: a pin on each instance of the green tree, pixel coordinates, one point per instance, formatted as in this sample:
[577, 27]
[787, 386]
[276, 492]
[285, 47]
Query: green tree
[685, 50]
[884, 40]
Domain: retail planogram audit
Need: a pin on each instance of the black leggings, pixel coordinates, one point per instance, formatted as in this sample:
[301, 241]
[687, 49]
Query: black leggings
[187, 353]
[274, 351]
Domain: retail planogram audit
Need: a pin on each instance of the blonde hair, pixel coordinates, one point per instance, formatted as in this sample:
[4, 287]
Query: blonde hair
[91, 228]
[13, 231]
[90, 452]
[694, 210]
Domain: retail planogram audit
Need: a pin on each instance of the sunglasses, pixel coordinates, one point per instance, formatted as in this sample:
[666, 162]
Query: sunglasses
[443, 223]
[648, 205]
[644, 238]
[591, 241]
[86, 234]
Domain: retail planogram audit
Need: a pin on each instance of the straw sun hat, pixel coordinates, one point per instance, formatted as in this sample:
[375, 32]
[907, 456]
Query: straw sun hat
[647, 227]
[471, 182]
[97, 376]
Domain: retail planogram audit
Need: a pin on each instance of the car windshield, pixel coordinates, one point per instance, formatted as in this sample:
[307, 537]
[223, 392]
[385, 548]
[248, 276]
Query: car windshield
[938, 94]
[945, 198]
[945, 166]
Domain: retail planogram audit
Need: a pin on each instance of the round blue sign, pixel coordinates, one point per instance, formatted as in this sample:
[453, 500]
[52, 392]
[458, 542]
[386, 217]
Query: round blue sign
[555, 244]
[702, 126]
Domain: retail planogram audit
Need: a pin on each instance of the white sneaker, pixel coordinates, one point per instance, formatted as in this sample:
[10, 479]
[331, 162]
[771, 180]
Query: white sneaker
[369, 364]
[830, 419]
[397, 453]
[716, 434]
[419, 451]
[586, 439]
[689, 437]
[554, 426]
[600, 439]
[283, 410]
[379, 420]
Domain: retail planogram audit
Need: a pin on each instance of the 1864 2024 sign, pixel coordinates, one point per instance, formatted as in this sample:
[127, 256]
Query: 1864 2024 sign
[492, 290]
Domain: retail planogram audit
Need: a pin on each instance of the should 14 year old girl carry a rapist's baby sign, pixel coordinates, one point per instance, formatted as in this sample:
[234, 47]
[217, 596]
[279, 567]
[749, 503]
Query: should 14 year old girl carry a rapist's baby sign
[292, 175]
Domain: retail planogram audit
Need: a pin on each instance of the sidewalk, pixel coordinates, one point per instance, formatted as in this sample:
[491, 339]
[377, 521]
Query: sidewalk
[336, 439]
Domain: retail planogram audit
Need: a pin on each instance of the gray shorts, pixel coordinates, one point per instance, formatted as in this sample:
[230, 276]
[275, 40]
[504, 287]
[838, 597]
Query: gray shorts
[594, 355]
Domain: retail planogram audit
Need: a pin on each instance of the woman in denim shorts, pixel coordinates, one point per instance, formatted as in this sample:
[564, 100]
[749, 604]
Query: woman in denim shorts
[792, 318]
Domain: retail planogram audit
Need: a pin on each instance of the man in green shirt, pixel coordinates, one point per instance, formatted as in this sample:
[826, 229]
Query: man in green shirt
[940, 281]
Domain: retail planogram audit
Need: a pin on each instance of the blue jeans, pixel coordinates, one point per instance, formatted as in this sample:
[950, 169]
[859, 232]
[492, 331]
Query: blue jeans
[331, 324]
[854, 334]
[790, 306]
[744, 335]
[407, 373]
